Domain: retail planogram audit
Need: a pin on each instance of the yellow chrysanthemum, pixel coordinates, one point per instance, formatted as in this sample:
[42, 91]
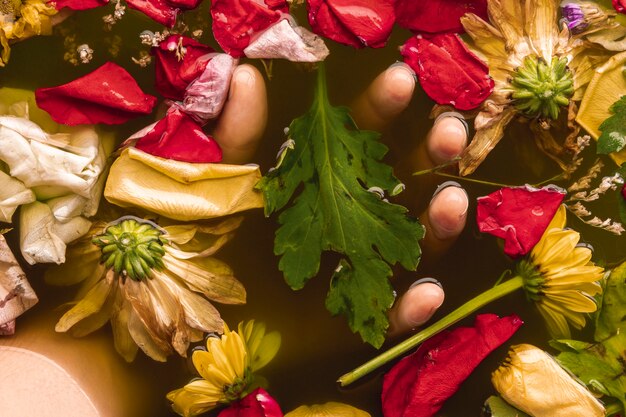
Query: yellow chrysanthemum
[227, 368]
[330, 409]
[538, 70]
[560, 278]
[151, 282]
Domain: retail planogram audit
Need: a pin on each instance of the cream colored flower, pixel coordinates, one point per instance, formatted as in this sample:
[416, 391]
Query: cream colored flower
[538, 71]
[151, 282]
[533, 382]
[227, 368]
[560, 278]
[330, 409]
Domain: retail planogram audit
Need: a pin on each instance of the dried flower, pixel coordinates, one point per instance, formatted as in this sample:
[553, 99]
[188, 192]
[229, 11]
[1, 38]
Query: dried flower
[227, 367]
[151, 282]
[533, 382]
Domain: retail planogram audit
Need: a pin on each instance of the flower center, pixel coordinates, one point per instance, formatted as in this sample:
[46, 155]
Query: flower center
[540, 89]
[239, 388]
[132, 247]
[533, 281]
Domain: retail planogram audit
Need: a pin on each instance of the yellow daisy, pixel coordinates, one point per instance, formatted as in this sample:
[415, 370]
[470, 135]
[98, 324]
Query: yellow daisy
[560, 278]
[151, 282]
[227, 368]
[538, 70]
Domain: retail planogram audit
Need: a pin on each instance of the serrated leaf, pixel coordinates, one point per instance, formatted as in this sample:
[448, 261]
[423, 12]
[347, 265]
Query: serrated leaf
[497, 407]
[332, 167]
[613, 137]
[602, 365]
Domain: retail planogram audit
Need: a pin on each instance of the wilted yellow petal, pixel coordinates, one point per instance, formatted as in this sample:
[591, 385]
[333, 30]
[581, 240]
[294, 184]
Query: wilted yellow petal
[540, 20]
[330, 409]
[533, 382]
[91, 304]
[154, 348]
[606, 87]
[181, 190]
[122, 339]
[484, 141]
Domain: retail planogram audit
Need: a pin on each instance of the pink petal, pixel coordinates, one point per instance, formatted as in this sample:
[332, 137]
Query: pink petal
[256, 404]
[206, 95]
[107, 95]
[235, 22]
[355, 23]
[437, 16]
[620, 5]
[420, 383]
[518, 215]
[184, 4]
[448, 72]
[79, 4]
[173, 76]
[160, 11]
[177, 136]
[624, 191]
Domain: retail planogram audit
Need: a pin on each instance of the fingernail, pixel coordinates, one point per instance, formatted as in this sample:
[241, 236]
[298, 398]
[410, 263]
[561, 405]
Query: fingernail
[457, 116]
[447, 220]
[242, 76]
[424, 281]
[443, 186]
[401, 69]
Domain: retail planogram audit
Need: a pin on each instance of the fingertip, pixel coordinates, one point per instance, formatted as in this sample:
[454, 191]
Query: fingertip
[447, 212]
[447, 139]
[398, 85]
[416, 306]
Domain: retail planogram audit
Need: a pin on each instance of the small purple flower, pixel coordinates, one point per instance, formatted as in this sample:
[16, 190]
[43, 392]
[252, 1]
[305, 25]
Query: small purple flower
[574, 17]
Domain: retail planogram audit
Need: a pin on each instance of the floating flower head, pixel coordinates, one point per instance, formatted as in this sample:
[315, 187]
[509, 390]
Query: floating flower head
[330, 409]
[532, 381]
[23, 19]
[151, 282]
[560, 278]
[227, 367]
[538, 71]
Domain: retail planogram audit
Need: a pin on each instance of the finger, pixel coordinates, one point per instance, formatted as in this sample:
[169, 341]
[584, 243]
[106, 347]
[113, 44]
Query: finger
[416, 306]
[388, 95]
[244, 117]
[444, 219]
[446, 140]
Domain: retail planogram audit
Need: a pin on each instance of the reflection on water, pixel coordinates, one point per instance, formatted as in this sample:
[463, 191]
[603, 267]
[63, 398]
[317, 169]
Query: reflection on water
[316, 347]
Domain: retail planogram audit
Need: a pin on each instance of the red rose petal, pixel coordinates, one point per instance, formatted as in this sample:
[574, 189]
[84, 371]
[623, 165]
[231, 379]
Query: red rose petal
[420, 383]
[177, 136]
[158, 10]
[437, 16]
[79, 4]
[174, 75]
[620, 5]
[448, 72]
[518, 215]
[236, 21]
[256, 404]
[624, 191]
[355, 23]
[184, 4]
[107, 95]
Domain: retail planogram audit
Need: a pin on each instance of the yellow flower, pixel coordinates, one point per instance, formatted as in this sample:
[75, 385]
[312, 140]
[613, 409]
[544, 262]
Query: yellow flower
[151, 282]
[330, 409]
[533, 382]
[560, 278]
[227, 368]
[538, 71]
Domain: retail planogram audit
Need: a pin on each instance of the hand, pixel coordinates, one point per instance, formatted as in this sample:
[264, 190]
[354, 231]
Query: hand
[444, 218]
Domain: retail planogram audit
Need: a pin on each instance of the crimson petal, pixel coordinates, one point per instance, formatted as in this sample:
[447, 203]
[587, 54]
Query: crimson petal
[620, 5]
[79, 4]
[107, 95]
[437, 16]
[235, 22]
[519, 215]
[173, 76]
[420, 383]
[177, 136]
[160, 11]
[356, 23]
[448, 72]
[256, 404]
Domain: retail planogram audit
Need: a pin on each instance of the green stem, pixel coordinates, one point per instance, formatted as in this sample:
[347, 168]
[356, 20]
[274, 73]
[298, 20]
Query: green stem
[465, 310]
[321, 90]
[613, 408]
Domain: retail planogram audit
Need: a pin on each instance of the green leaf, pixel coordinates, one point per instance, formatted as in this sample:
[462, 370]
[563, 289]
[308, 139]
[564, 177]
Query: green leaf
[602, 365]
[327, 170]
[497, 407]
[613, 137]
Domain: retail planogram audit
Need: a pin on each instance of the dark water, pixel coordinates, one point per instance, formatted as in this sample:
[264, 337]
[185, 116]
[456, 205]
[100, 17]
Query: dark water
[316, 348]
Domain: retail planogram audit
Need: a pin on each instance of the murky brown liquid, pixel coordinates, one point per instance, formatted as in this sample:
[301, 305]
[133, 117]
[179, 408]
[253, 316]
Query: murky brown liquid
[316, 348]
